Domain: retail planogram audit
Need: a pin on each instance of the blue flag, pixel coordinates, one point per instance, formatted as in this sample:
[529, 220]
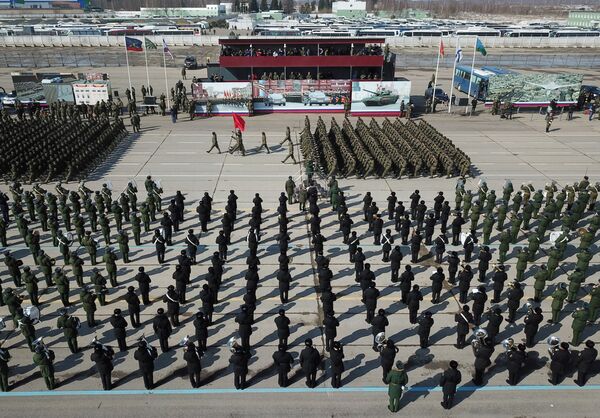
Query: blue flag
[133, 44]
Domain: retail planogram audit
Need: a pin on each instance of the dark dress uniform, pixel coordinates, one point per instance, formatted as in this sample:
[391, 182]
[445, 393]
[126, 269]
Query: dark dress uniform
[449, 381]
[104, 365]
[162, 328]
[201, 326]
[515, 360]
[192, 357]
[336, 356]
[145, 356]
[559, 363]
[309, 361]
[119, 325]
[239, 361]
[282, 323]
[283, 363]
[425, 324]
[463, 319]
[584, 362]
[133, 306]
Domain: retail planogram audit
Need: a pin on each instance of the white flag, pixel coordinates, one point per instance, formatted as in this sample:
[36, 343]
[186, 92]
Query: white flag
[166, 50]
[459, 55]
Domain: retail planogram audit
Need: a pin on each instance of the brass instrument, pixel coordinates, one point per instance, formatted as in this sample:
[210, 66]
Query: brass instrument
[479, 335]
[39, 342]
[151, 350]
[381, 341]
[184, 341]
[508, 344]
[234, 344]
[107, 349]
[553, 344]
[581, 231]
[33, 313]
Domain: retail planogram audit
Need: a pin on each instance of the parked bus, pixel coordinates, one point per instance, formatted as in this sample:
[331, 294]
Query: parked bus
[479, 80]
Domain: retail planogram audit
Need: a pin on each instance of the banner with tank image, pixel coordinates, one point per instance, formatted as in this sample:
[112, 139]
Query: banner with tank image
[534, 89]
[300, 95]
[379, 96]
[222, 98]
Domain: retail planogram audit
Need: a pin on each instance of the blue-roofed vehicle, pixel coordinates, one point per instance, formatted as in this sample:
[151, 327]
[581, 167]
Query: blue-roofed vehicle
[479, 80]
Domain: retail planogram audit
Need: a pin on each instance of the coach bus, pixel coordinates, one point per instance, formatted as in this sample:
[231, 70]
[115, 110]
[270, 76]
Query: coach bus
[574, 34]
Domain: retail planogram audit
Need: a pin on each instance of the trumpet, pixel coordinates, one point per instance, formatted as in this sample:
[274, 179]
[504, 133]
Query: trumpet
[531, 305]
[184, 341]
[553, 344]
[107, 349]
[151, 350]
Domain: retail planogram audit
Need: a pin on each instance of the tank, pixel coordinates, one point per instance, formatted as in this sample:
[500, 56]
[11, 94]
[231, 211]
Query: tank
[383, 98]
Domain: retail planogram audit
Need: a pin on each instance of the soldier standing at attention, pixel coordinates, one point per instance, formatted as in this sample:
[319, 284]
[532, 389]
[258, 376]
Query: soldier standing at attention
[396, 379]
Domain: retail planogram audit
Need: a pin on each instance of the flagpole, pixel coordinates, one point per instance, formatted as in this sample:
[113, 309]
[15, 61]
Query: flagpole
[127, 60]
[146, 58]
[453, 73]
[437, 66]
[471, 77]
[166, 81]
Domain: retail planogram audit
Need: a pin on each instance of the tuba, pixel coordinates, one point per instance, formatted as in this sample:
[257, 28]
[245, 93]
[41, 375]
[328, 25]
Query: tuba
[184, 341]
[33, 313]
[40, 342]
[234, 344]
[508, 344]
[380, 340]
[553, 344]
[479, 335]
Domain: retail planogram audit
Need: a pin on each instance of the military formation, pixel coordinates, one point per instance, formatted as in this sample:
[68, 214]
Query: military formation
[58, 144]
[394, 149]
[544, 226]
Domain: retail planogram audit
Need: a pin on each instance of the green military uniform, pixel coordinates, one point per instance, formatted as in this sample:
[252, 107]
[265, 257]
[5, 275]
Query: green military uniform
[586, 240]
[88, 301]
[53, 226]
[31, 285]
[69, 325]
[583, 261]
[488, 225]
[263, 143]
[62, 286]
[123, 241]
[215, 144]
[99, 283]
[515, 226]
[504, 246]
[79, 225]
[44, 362]
[522, 258]
[543, 224]
[302, 198]
[537, 199]
[28, 331]
[290, 186]
[534, 245]
[527, 213]
[475, 214]
[3, 240]
[554, 258]
[501, 210]
[558, 298]
[540, 278]
[396, 379]
[335, 196]
[104, 223]
[111, 267]
[594, 303]
[467, 199]
[91, 246]
[117, 212]
[580, 317]
[46, 264]
[136, 228]
[77, 268]
[145, 212]
[575, 280]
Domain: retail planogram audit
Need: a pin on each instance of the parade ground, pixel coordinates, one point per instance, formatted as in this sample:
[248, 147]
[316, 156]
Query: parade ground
[175, 153]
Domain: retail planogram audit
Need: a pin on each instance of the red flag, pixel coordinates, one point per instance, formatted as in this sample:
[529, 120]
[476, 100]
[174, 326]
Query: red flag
[442, 48]
[239, 122]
